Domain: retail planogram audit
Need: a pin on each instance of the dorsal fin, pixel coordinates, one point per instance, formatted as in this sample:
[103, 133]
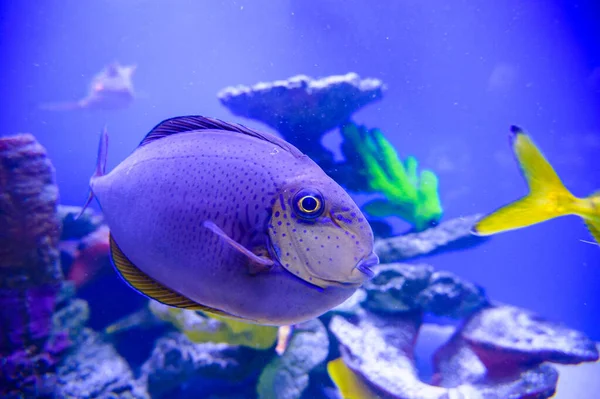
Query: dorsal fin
[191, 123]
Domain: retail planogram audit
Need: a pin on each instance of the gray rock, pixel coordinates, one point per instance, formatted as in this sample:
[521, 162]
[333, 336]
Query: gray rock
[287, 376]
[400, 287]
[536, 383]
[379, 349]
[450, 235]
[395, 287]
[458, 367]
[455, 364]
[450, 296]
[352, 304]
[72, 319]
[176, 363]
[94, 370]
[507, 335]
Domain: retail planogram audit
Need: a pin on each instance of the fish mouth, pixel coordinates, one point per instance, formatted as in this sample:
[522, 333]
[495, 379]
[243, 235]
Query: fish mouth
[365, 264]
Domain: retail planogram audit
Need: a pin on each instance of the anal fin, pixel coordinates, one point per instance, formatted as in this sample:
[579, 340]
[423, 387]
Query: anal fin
[146, 285]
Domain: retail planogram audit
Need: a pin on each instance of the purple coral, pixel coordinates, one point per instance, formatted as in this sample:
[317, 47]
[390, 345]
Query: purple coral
[30, 274]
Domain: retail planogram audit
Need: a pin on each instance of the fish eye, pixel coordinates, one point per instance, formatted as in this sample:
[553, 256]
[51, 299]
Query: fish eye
[308, 204]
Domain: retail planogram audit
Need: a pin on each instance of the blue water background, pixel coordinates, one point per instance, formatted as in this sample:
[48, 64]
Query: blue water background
[459, 73]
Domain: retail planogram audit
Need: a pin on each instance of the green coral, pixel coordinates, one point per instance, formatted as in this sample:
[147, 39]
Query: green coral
[408, 194]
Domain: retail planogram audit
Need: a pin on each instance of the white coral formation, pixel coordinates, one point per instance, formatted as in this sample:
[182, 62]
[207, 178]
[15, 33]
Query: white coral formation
[306, 83]
[301, 108]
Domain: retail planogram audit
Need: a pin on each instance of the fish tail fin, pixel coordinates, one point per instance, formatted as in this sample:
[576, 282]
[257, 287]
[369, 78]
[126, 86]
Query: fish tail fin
[591, 215]
[547, 199]
[100, 167]
[594, 228]
[348, 383]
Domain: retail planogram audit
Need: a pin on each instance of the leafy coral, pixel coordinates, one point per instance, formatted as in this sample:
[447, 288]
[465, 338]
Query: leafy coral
[411, 195]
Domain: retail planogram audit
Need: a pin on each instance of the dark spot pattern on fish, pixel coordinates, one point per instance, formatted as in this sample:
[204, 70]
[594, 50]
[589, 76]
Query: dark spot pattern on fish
[236, 189]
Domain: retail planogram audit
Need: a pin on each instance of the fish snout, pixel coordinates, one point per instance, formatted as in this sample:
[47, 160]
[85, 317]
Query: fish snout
[365, 264]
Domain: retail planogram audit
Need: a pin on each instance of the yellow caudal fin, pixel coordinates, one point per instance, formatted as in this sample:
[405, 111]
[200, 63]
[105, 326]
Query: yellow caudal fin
[547, 198]
[594, 229]
[349, 384]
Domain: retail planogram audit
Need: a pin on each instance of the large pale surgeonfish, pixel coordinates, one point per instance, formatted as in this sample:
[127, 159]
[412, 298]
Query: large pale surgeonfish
[217, 217]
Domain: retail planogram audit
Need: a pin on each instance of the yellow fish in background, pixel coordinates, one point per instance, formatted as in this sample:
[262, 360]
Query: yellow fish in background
[347, 382]
[201, 327]
[547, 199]
[197, 327]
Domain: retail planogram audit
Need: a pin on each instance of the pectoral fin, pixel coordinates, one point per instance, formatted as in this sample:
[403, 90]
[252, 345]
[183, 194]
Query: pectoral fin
[258, 263]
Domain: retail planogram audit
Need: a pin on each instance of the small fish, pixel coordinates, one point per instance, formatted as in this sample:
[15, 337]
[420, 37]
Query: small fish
[212, 216]
[547, 199]
[110, 89]
[348, 383]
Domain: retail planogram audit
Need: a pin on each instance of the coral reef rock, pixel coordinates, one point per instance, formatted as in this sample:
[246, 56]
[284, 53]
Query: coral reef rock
[96, 371]
[449, 235]
[450, 296]
[47, 351]
[30, 273]
[305, 107]
[395, 287]
[497, 351]
[92, 368]
[287, 376]
[506, 335]
[402, 287]
[180, 368]
[457, 367]
[379, 349]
